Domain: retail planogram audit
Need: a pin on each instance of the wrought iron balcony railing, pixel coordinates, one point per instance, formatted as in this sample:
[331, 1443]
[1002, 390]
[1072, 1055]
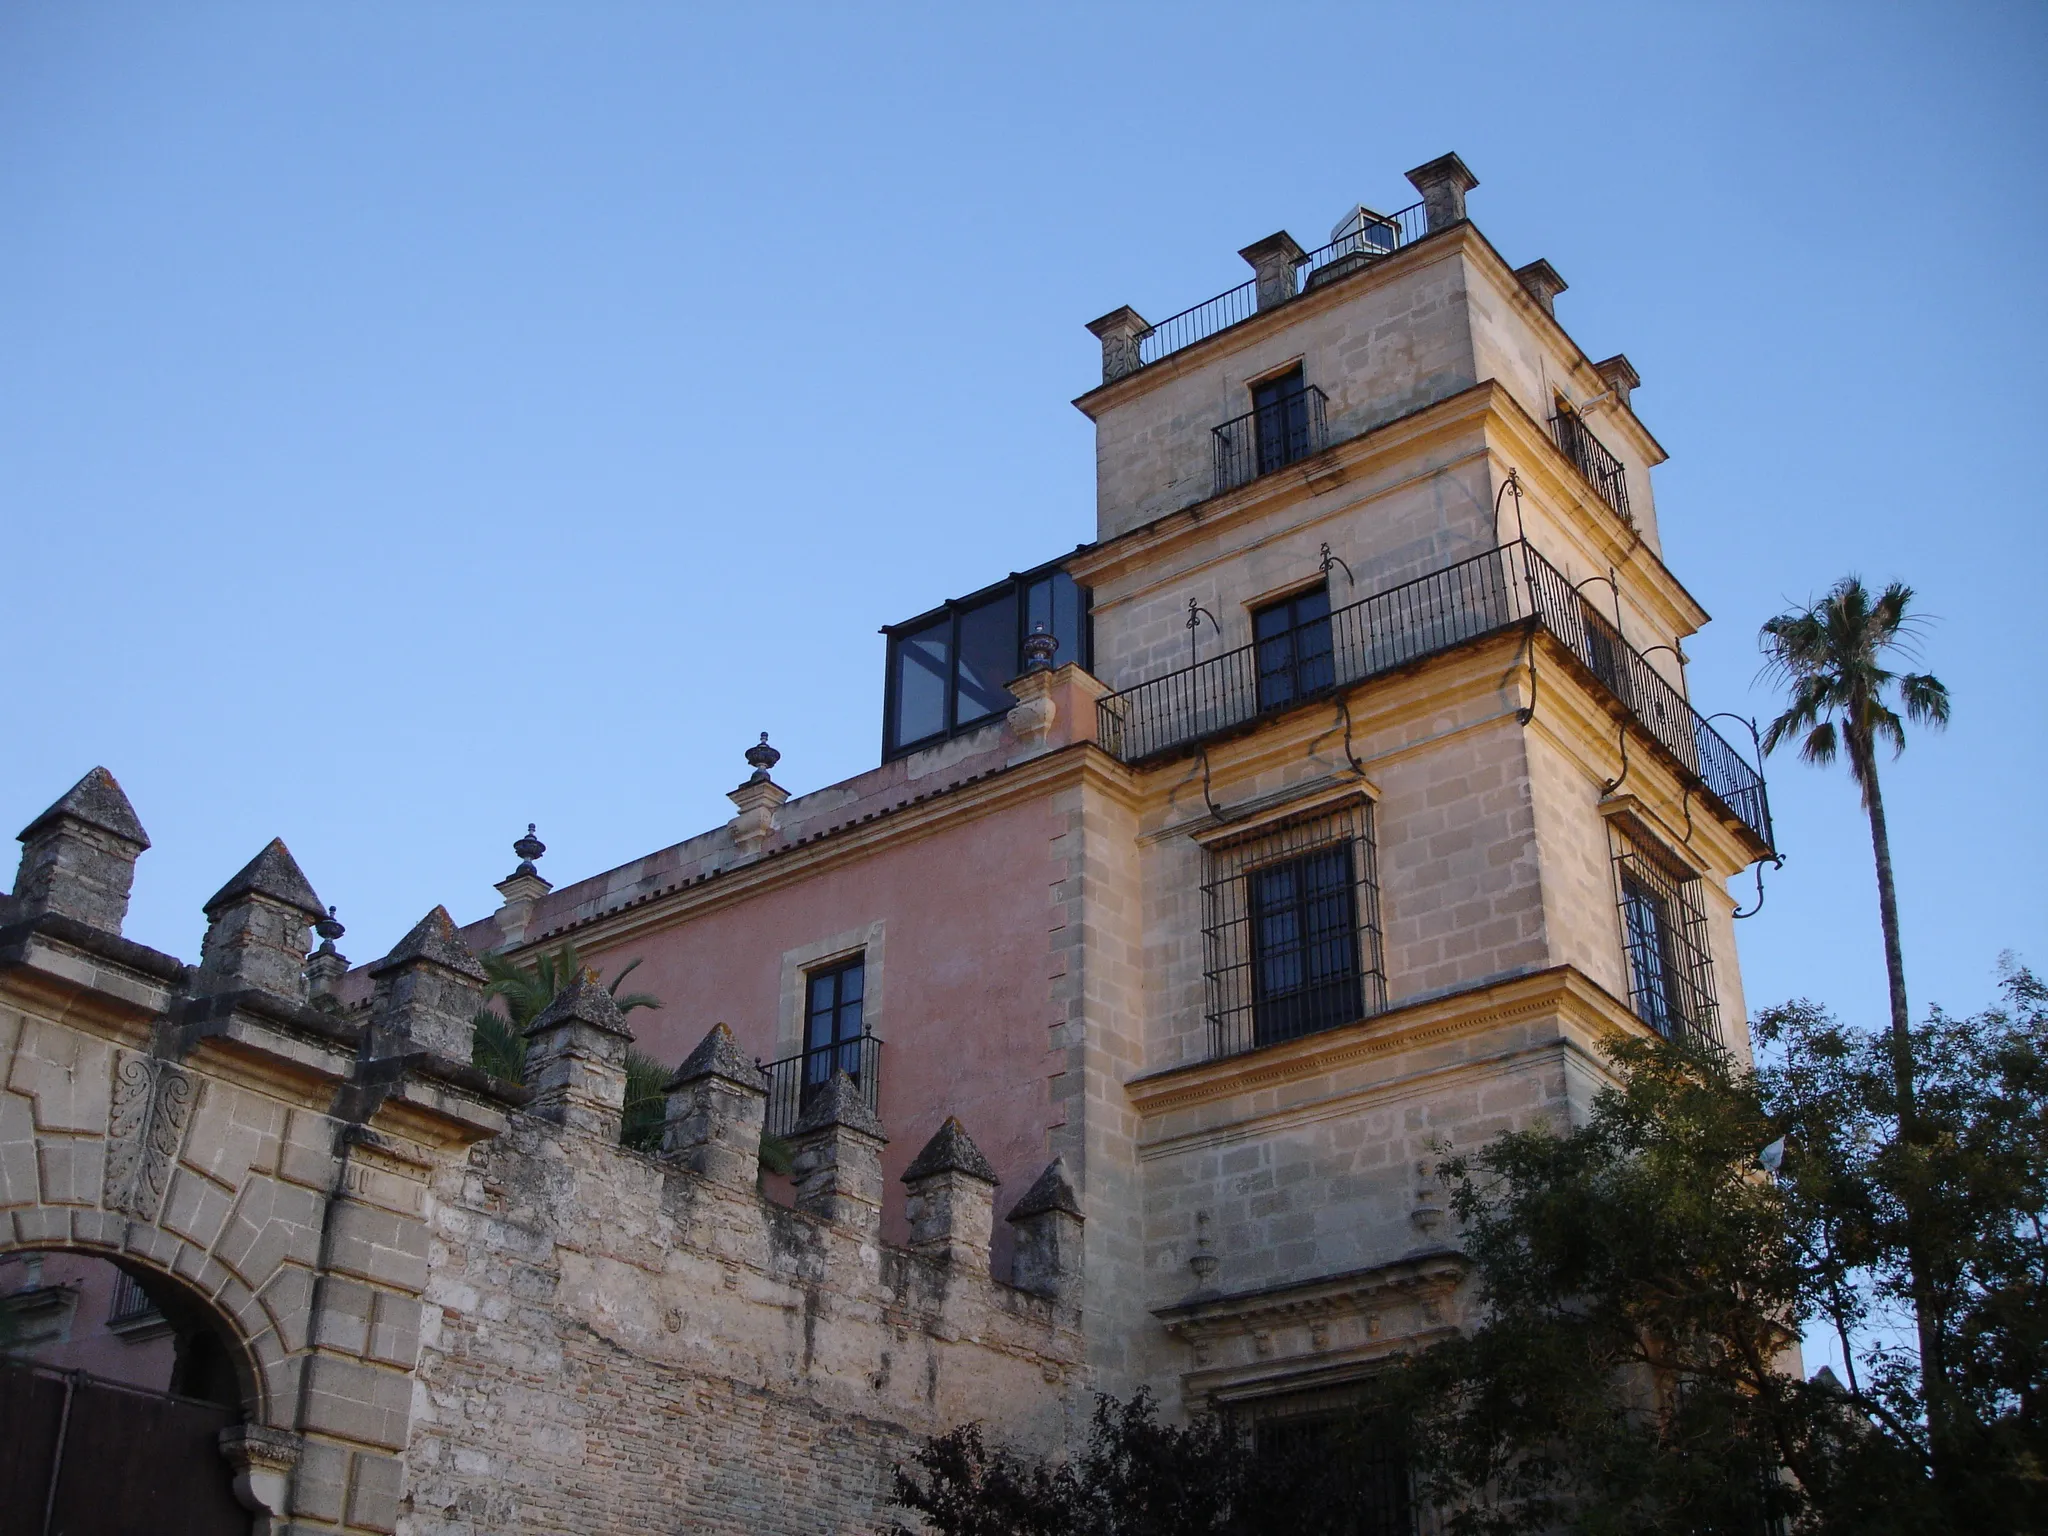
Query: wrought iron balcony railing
[1276, 434]
[794, 1080]
[1601, 469]
[1426, 616]
[1373, 239]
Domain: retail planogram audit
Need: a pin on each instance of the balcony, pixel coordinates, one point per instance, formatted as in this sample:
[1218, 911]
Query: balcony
[1600, 469]
[795, 1080]
[1270, 437]
[1484, 595]
[1370, 238]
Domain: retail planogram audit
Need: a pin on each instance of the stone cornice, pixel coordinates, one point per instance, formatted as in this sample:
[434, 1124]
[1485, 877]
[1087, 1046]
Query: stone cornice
[1427, 1276]
[1562, 990]
[786, 864]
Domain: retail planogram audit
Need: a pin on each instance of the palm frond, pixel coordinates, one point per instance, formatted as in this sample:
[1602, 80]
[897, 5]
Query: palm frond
[646, 1103]
[497, 1047]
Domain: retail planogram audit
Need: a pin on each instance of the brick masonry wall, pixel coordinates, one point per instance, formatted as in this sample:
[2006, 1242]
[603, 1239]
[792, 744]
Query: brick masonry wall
[619, 1346]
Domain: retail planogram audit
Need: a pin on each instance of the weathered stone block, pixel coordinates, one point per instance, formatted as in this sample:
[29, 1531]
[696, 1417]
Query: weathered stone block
[716, 1102]
[576, 1060]
[429, 988]
[838, 1154]
[1048, 1222]
[258, 927]
[951, 1206]
[78, 857]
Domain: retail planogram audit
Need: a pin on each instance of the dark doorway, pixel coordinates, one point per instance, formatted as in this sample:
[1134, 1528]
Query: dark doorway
[89, 1457]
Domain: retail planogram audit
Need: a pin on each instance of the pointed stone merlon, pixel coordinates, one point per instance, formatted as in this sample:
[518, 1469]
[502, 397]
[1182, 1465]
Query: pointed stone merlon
[429, 988]
[1273, 261]
[1120, 331]
[1048, 1221]
[838, 1156]
[716, 1102]
[1540, 281]
[78, 857]
[952, 1204]
[1443, 183]
[1619, 375]
[576, 1059]
[258, 928]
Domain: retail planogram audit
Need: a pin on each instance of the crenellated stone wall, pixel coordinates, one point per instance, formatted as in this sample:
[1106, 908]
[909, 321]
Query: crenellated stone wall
[457, 1305]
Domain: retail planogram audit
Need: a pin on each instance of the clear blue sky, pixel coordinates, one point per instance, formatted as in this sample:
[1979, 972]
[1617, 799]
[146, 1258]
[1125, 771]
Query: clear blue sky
[419, 419]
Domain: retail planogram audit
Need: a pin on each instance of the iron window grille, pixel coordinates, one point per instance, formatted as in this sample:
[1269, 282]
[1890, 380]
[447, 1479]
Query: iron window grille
[1287, 422]
[1327, 1433]
[1664, 943]
[131, 1302]
[1291, 934]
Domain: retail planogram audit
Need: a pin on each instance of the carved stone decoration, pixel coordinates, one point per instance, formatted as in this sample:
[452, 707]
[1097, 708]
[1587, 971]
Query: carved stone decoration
[152, 1102]
[263, 1460]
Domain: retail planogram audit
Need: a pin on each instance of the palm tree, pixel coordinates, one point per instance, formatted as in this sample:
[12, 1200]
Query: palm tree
[500, 1047]
[1831, 657]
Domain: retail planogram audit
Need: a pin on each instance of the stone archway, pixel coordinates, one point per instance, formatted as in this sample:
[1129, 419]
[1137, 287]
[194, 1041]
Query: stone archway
[263, 1159]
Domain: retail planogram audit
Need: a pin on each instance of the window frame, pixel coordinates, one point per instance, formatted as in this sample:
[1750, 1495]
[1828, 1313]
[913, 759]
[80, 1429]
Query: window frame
[837, 1049]
[1296, 662]
[1016, 589]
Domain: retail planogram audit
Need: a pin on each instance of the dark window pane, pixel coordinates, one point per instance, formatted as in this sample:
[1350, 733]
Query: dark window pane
[1305, 960]
[1055, 602]
[988, 658]
[1294, 656]
[1280, 419]
[922, 663]
[1647, 921]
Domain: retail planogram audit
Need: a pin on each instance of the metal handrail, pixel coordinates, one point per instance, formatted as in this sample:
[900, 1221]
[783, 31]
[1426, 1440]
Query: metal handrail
[1268, 438]
[794, 1079]
[1344, 254]
[1590, 457]
[1423, 617]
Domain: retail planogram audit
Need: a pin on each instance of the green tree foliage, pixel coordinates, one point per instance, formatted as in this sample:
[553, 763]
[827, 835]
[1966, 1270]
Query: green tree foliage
[524, 991]
[1642, 1281]
[1139, 1477]
[1642, 1278]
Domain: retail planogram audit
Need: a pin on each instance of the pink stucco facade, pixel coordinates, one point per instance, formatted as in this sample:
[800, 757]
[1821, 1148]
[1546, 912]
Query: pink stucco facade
[957, 963]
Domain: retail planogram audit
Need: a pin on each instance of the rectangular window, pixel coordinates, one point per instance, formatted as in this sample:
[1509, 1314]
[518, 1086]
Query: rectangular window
[1305, 971]
[1280, 420]
[1291, 940]
[1293, 639]
[951, 671]
[832, 1022]
[1664, 942]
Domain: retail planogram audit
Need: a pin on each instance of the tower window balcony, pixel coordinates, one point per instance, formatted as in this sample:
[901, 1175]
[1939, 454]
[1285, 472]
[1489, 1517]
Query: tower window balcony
[1287, 422]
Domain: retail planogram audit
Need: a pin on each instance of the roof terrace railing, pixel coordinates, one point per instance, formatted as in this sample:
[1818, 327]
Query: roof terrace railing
[1431, 614]
[1377, 236]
